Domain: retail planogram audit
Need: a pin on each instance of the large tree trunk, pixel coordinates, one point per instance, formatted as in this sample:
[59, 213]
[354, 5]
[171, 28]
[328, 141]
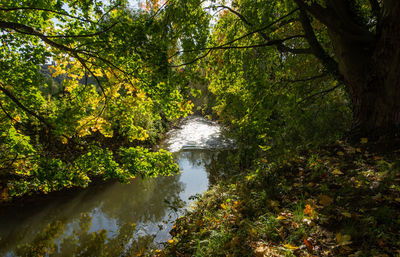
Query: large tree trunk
[371, 72]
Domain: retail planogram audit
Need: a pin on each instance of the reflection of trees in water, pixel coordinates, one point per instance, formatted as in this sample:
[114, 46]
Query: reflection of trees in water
[144, 201]
[220, 165]
[197, 157]
[60, 227]
[42, 225]
[81, 242]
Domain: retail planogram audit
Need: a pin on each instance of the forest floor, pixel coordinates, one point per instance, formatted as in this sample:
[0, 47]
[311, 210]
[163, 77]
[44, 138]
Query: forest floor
[339, 200]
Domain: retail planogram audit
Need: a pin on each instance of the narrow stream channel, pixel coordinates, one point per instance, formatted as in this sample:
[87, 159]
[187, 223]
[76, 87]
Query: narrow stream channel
[113, 219]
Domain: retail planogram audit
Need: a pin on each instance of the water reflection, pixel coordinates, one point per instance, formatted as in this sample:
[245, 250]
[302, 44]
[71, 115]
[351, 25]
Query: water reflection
[113, 219]
[110, 208]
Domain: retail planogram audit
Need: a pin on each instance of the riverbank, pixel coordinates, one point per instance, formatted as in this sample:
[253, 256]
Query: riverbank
[337, 201]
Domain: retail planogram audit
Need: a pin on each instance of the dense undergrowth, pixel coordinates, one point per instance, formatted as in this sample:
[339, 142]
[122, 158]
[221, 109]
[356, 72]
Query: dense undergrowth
[334, 201]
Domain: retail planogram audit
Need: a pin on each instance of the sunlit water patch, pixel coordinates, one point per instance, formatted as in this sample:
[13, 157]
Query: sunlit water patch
[197, 132]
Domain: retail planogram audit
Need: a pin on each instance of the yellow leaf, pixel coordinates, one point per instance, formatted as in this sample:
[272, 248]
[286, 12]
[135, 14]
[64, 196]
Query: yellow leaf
[291, 247]
[325, 200]
[140, 95]
[346, 214]
[364, 140]
[340, 153]
[337, 172]
[64, 140]
[343, 239]
[171, 241]
[280, 217]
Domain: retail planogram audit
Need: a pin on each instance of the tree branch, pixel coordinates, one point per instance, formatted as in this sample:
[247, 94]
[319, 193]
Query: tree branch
[329, 63]
[320, 93]
[193, 61]
[20, 105]
[6, 113]
[21, 28]
[277, 42]
[84, 35]
[338, 18]
[305, 79]
[10, 9]
[241, 17]
[241, 37]
[322, 14]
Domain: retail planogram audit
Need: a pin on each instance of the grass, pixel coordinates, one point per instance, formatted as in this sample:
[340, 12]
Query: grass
[337, 201]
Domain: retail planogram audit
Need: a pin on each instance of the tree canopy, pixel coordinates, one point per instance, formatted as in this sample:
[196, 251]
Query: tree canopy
[84, 85]
[83, 81]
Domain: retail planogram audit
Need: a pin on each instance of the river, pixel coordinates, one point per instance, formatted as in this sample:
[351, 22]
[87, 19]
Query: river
[114, 219]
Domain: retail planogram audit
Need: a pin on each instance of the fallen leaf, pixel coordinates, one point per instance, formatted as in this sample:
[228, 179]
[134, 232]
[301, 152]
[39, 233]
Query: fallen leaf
[308, 245]
[337, 172]
[291, 247]
[343, 239]
[364, 140]
[346, 214]
[325, 200]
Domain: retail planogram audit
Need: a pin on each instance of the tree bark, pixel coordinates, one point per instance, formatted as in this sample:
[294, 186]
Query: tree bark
[370, 67]
[376, 95]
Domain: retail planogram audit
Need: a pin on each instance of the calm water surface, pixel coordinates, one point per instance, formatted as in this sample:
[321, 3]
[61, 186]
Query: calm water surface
[113, 219]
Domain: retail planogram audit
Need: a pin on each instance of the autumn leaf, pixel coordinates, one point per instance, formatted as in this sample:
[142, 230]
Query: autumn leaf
[343, 239]
[310, 211]
[64, 140]
[364, 140]
[308, 245]
[337, 172]
[291, 247]
[325, 200]
[346, 214]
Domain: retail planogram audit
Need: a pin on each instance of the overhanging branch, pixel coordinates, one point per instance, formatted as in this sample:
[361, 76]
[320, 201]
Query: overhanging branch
[241, 37]
[277, 42]
[11, 9]
[20, 105]
[329, 63]
[241, 17]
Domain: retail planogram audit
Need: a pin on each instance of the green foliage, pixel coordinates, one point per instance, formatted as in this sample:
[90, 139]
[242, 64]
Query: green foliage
[261, 94]
[82, 85]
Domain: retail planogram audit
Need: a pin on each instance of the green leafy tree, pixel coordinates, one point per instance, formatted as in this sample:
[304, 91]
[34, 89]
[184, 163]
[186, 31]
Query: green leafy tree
[355, 42]
[82, 85]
